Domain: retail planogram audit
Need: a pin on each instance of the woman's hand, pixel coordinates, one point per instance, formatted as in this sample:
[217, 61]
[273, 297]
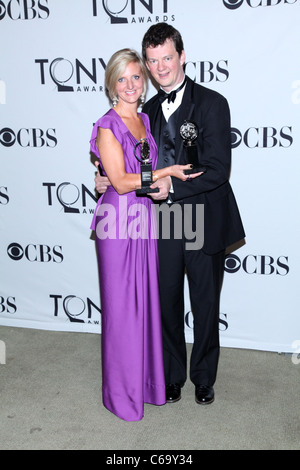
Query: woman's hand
[101, 182]
[178, 172]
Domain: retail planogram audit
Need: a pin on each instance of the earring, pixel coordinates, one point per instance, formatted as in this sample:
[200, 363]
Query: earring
[142, 98]
[115, 101]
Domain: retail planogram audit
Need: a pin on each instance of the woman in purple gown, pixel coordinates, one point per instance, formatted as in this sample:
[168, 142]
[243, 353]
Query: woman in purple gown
[124, 223]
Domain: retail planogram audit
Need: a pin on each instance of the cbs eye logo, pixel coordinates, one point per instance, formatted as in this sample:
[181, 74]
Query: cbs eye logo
[15, 251]
[7, 137]
[232, 264]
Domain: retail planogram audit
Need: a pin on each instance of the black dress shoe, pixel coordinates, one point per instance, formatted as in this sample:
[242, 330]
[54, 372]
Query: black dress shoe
[204, 394]
[173, 393]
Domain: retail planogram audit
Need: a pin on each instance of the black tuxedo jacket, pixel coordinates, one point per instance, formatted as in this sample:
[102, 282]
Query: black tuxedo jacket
[210, 111]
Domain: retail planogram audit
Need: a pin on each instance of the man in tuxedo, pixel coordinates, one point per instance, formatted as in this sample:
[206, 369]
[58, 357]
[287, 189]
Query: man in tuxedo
[178, 100]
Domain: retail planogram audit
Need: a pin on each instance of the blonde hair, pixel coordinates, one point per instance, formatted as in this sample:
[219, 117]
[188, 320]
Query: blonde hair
[116, 66]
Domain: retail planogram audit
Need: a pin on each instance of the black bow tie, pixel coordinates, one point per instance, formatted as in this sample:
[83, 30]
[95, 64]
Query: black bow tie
[162, 95]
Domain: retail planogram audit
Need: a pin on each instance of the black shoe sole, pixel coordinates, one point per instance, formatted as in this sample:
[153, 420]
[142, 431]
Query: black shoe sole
[173, 401]
[204, 402]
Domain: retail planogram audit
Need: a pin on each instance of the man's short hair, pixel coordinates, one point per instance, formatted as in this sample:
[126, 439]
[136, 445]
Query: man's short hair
[158, 34]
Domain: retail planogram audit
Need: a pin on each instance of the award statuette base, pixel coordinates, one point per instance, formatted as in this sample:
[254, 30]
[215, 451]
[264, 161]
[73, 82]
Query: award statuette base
[146, 190]
[192, 158]
[197, 169]
[146, 177]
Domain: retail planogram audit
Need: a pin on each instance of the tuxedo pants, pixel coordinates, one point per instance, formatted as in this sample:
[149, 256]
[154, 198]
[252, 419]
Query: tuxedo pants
[205, 276]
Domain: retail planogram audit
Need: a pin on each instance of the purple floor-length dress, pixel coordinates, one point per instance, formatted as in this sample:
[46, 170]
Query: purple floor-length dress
[132, 358]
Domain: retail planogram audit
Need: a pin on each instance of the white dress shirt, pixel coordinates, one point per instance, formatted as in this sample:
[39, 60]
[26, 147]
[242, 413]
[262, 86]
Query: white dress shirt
[169, 108]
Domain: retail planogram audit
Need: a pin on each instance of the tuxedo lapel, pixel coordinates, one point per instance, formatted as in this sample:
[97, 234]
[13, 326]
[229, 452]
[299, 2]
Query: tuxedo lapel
[185, 112]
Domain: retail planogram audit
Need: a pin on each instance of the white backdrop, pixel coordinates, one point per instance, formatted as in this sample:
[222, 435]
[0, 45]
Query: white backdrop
[52, 61]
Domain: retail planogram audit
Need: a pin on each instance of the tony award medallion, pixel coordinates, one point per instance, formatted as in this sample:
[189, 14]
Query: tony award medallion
[189, 133]
[142, 154]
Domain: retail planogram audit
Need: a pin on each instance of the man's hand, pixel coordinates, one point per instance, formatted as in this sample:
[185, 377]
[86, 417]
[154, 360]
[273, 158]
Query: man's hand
[101, 182]
[164, 185]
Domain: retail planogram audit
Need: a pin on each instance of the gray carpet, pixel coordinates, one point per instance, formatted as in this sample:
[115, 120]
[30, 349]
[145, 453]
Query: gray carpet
[50, 392]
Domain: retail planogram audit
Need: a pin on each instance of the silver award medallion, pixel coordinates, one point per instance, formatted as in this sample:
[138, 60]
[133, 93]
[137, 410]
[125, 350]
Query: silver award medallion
[189, 132]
